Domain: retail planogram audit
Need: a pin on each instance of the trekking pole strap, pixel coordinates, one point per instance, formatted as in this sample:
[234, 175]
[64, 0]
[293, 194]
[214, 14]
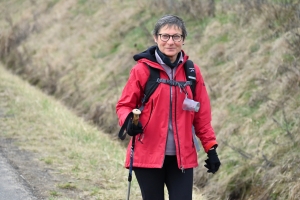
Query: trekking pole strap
[122, 133]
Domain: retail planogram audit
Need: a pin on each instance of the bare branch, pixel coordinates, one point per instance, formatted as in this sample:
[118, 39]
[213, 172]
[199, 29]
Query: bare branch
[269, 163]
[240, 151]
[286, 128]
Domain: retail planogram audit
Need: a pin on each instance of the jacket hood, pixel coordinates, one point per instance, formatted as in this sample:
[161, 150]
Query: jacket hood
[148, 54]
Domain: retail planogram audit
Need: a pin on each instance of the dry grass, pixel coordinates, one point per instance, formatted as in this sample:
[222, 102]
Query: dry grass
[91, 161]
[249, 55]
[249, 97]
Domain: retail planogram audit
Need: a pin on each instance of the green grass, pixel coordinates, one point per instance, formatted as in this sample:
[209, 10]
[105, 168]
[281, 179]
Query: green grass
[241, 111]
[288, 58]
[254, 48]
[197, 27]
[69, 145]
[221, 38]
[54, 193]
[48, 161]
[52, 3]
[88, 8]
[64, 142]
[67, 186]
[88, 36]
[226, 18]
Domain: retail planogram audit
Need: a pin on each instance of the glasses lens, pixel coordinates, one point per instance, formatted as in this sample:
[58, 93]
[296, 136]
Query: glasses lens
[177, 38]
[165, 37]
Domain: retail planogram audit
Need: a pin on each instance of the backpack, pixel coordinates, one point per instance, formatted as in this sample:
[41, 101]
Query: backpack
[154, 80]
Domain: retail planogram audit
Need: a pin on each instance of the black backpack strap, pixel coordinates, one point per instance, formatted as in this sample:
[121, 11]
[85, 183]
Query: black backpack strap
[151, 84]
[190, 74]
[154, 80]
[174, 83]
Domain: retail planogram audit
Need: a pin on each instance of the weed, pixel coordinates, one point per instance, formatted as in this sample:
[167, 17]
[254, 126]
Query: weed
[54, 193]
[93, 162]
[67, 186]
[95, 191]
[76, 168]
[48, 161]
[114, 48]
[52, 3]
[45, 105]
[75, 155]
[226, 18]
[254, 48]
[288, 58]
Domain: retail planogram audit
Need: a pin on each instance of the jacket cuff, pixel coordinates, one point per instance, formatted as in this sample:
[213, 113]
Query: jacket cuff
[209, 145]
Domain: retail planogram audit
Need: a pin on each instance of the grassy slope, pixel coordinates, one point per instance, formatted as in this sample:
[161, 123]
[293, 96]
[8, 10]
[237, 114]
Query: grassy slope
[81, 53]
[90, 161]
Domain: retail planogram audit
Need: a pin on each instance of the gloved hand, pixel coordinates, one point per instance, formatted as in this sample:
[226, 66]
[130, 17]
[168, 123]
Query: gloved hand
[133, 129]
[212, 163]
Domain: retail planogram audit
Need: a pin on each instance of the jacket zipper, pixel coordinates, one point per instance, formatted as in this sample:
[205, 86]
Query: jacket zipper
[176, 128]
[175, 93]
[181, 167]
[168, 126]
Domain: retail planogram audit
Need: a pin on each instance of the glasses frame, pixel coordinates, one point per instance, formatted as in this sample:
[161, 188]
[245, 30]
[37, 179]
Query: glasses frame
[181, 37]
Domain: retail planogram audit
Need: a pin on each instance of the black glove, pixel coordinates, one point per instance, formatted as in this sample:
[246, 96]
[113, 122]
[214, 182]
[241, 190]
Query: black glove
[212, 163]
[133, 129]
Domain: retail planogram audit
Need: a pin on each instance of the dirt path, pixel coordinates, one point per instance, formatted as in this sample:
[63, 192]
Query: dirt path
[24, 176]
[28, 174]
[12, 184]
[19, 166]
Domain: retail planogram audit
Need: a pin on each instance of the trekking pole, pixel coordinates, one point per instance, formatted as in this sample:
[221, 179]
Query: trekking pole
[135, 120]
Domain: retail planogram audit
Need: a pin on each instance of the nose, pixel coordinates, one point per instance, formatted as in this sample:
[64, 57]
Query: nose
[170, 41]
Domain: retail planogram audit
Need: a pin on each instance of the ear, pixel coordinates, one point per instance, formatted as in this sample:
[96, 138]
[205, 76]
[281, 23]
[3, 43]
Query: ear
[155, 38]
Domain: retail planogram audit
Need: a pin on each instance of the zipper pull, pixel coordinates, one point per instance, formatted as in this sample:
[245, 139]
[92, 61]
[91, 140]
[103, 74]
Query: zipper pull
[182, 170]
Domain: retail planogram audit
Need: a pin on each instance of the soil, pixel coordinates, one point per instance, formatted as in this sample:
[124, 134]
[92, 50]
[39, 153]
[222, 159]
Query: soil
[41, 180]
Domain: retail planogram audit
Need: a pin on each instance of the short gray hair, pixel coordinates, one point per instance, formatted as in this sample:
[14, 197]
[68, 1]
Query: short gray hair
[170, 20]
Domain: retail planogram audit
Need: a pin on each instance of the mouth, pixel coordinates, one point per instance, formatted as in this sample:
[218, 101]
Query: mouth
[170, 49]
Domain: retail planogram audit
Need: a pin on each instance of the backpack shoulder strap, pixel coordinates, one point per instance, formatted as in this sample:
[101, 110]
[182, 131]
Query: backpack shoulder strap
[154, 77]
[190, 74]
[151, 84]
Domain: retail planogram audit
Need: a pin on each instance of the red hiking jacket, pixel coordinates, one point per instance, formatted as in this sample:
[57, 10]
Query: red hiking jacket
[150, 152]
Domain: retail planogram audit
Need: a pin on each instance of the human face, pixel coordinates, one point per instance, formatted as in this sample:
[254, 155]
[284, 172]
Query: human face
[169, 48]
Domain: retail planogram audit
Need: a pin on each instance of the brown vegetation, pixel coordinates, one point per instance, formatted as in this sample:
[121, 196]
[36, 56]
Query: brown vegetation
[80, 52]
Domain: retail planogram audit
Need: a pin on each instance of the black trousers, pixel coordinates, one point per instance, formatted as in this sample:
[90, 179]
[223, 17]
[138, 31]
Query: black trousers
[152, 181]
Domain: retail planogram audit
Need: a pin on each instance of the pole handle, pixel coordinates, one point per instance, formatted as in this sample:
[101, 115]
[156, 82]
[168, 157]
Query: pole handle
[136, 115]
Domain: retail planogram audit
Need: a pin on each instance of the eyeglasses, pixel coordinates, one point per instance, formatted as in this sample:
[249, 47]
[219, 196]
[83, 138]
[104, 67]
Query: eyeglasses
[166, 37]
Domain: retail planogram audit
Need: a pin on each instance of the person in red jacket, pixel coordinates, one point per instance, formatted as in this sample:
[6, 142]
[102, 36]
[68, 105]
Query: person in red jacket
[164, 153]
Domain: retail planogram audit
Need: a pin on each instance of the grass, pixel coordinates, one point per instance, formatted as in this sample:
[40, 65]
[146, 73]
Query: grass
[67, 186]
[64, 142]
[248, 67]
[54, 193]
